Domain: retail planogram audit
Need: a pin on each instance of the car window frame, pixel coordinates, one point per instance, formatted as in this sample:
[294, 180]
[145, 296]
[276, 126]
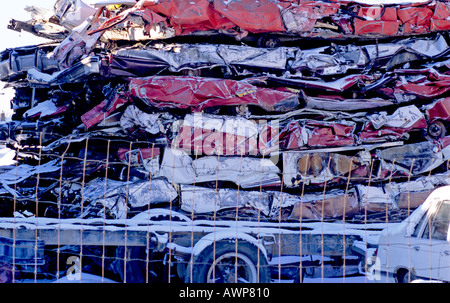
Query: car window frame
[424, 230]
[420, 226]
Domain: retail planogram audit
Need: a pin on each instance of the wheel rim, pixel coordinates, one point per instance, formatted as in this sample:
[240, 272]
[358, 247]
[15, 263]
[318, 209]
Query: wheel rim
[436, 130]
[232, 268]
[242, 110]
[272, 43]
[268, 42]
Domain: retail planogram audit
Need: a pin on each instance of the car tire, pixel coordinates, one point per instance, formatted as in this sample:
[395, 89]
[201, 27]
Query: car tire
[268, 41]
[225, 262]
[131, 264]
[405, 276]
[242, 110]
[300, 276]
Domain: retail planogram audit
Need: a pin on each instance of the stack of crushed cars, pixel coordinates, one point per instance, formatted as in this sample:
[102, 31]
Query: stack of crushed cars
[277, 109]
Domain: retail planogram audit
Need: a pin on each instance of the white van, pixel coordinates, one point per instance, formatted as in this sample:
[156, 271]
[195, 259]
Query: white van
[419, 247]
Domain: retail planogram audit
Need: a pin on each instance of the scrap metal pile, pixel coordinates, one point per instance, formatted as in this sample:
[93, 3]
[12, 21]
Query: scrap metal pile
[275, 109]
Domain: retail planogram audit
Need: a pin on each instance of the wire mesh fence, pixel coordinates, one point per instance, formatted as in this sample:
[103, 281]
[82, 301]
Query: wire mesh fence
[101, 207]
[148, 152]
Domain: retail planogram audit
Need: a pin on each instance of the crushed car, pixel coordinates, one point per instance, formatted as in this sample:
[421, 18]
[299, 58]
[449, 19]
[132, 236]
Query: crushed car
[286, 111]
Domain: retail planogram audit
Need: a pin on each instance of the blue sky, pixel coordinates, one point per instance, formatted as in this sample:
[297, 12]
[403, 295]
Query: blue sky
[15, 9]
[9, 39]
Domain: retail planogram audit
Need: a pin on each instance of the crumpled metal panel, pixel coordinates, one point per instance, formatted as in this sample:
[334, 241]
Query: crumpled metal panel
[273, 139]
[178, 57]
[395, 126]
[45, 109]
[438, 110]
[305, 18]
[341, 104]
[374, 198]
[335, 204]
[201, 200]
[79, 42]
[414, 158]
[217, 135]
[262, 17]
[416, 20]
[330, 133]
[78, 72]
[433, 85]
[146, 158]
[103, 110]
[178, 167]
[15, 63]
[201, 93]
[377, 20]
[339, 85]
[116, 196]
[23, 171]
[187, 16]
[133, 118]
[305, 167]
[72, 13]
[440, 20]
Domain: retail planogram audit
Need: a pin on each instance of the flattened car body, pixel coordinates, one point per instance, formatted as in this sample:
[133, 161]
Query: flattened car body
[200, 93]
[303, 18]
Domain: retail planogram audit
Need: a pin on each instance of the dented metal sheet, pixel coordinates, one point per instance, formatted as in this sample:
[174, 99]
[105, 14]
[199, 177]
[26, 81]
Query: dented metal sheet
[320, 167]
[201, 134]
[78, 72]
[375, 199]
[178, 167]
[72, 13]
[146, 158]
[116, 197]
[79, 43]
[432, 85]
[45, 109]
[133, 118]
[414, 158]
[304, 18]
[24, 171]
[334, 204]
[201, 200]
[15, 63]
[330, 133]
[103, 110]
[201, 93]
[180, 57]
[340, 104]
[394, 126]
[339, 85]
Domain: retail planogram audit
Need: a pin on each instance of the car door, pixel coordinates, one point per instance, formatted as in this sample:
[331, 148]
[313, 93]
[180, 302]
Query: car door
[428, 250]
[444, 261]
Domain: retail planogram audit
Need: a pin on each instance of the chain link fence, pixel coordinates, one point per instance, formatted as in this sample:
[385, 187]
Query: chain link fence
[104, 209]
